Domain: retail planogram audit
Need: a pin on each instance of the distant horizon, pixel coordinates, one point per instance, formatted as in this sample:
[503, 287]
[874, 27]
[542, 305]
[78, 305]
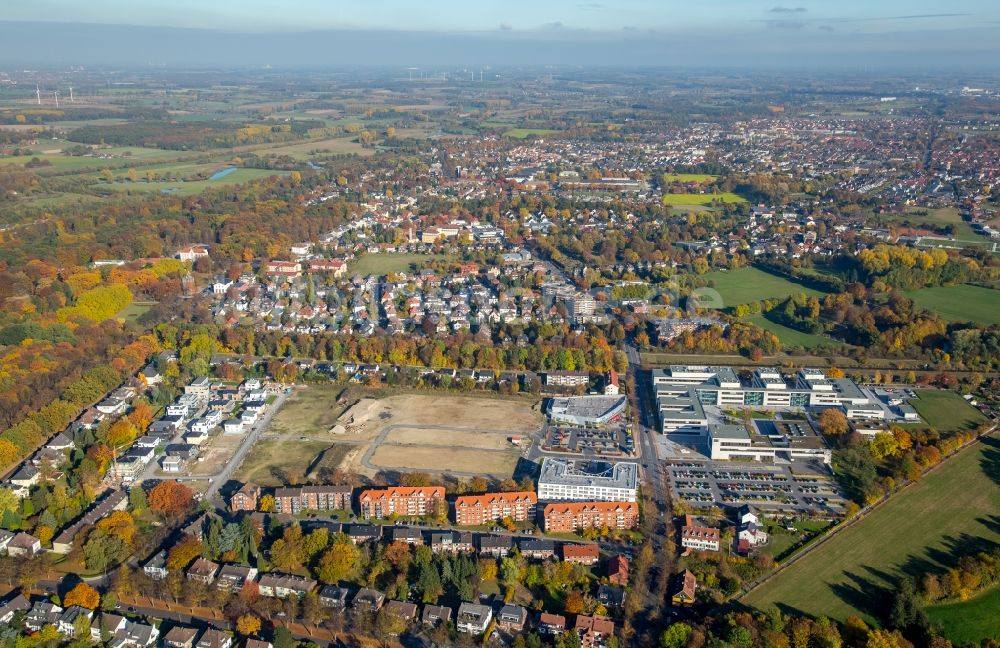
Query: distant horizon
[37, 43]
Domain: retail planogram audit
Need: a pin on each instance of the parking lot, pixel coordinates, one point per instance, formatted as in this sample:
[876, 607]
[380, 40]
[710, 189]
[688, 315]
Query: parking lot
[791, 488]
[611, 441]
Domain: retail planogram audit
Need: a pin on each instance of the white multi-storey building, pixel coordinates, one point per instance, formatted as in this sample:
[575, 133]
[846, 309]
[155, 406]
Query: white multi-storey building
[563, 480]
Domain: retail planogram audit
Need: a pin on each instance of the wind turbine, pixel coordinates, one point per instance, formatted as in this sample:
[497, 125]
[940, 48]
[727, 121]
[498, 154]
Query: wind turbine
[38, 94]
[56, 95]
[71, 100]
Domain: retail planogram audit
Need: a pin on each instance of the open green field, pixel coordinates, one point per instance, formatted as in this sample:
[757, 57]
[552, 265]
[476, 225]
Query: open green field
[701, 199]
[790, 336]
[135, 310]
[522, 133]
[969, 621]
[306, 150]
[946, 411]
[750, 284]
[192, 187]
[688, 177]
[381, 264]
[960, 303]
[308, 411]
[948, 513]
[936, 218]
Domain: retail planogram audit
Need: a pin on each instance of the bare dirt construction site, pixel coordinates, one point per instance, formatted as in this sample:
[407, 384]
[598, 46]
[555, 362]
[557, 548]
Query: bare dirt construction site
[329, 428]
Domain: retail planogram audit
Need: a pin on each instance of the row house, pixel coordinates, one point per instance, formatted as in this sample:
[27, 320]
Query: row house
[285, 585]
[567, 517]
[312, 498]
[475, 510]
[402, 501]
[699, 537]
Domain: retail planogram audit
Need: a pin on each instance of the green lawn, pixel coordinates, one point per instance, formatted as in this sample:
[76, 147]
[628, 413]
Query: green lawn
[960, 303]
[701, 199]
[750, 284]
[946, 411]
[948, 513]
[969, 621]
[791, 337]
[135, 310]
[382, 264]
[688, 177]
[522, 133]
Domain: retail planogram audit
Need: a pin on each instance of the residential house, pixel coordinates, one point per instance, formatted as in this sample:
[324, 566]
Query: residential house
[435, 614]
[245, 499]
[402, 609]
[213, 638]
[180, 637]
[537, 549]
[156, 568]
[749, 530]
[594, 631]
[203, 571]
[551, 624]
[611, 387]
[285, 585]
[368, 600]
[332, 596]
[409, 535]
[258, 643]
[12, 606]
[496, 546]
[362, 533]
[617, 570]
[116, 500]
[312, 498]
[41, 614]
[512, 618]
[473, 618]
[451, 542]
[584, 554]
[24, 544]
[685, 588]
[610, 596]
[234, 577]
[67, 622]
[699, 537]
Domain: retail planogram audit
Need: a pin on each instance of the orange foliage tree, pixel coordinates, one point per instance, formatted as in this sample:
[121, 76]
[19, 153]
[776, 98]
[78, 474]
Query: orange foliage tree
[83, 595]
[170, 498]
[183, 552]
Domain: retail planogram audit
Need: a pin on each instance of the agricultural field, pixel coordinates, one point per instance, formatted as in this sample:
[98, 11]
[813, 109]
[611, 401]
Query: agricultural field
[946, 411]
[701, 199]
[960, 303]
[523, 133]
[688, 177]
[193, 187]
[307, 150]
[750, 284]
[969, 621]
[382, 264]
[948, 513]
[791, 337]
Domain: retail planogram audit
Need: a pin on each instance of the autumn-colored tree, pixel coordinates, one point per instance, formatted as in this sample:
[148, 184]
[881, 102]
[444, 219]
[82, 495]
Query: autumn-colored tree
[170, 498]
[833, 422]
[121, 433]
[338, 562]
[487, 569]
[267, 503]
[398, 554]
[83, 595]
[141, 415]
[248, 625]
[182, 553]
[44, 533]
[574, 603]
[8, 453]
[121, 524]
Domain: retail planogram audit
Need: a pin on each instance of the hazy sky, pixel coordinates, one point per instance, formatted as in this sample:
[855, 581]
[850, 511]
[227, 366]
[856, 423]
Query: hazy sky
[481, 15]
[663, 32]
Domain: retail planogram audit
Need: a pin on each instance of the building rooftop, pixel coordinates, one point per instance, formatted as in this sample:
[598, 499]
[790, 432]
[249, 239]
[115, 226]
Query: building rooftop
[589, 473]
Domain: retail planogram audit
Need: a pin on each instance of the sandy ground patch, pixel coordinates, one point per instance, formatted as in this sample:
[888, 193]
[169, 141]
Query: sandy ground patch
[214, 454]
[500, 464]
[462, 411]
[449, 438]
